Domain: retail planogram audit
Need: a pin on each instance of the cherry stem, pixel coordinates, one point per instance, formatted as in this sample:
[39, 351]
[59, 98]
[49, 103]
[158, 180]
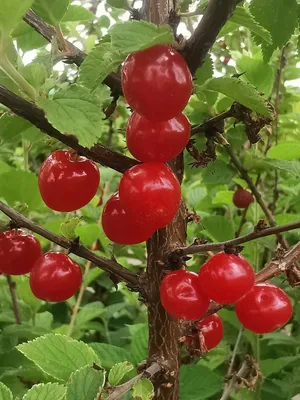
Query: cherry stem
[12, 289]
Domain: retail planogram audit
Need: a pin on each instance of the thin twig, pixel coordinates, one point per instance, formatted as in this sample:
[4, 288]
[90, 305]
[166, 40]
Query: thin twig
[36, 116]
[12, 289]
[119, 391]
[212, 121]
[255, 234]
[123, 274]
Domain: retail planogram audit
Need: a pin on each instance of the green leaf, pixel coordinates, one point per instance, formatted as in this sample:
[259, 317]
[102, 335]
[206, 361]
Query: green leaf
[51, 11]
[241, 17]
[239, 91]
[75, 111]
[27, 38]
[35, 74]
[198, 382]
[5, 393]
[11, 13]
[118, 3]
[224, 197]
[132, 36]
[143, 390]
[49, 391]
[118, 371]
[89, 312]
[24, 190]
[67, 228]
[24, 293]
[291, 167]
[257, 73]
[99, 63]
[85, 384]
[285, 151]
[218, 228]
[273, 366]
[217, 173]
[272, 14]
[109, 354]
[139, 344]
[196, 193]
[88, 233]
[58, 355]
[205, 72]
[241, 182]
[11, 127]
[77, 13]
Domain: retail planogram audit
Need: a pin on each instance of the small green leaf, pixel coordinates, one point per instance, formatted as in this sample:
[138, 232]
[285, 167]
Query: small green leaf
[58, 355]
[241, 182]
[143, 390]
[139, 344]
[217, 173]
[132, 36]
[89, 312]
[109, 354]
[24, 293]
[285, 151]
[218, 228]
[67, 228]
[273, 366]
[100, 62]
[239, 91]
[75, 111]
[88, 233]
[5, 393]
[51, 11]
[224, 197]
[48, 391]
[35, 74]
[118, 4]
[85, 384]
[12, 12]
[77, 13]
[205, 72]
[11, 127]
[27, 38]
[198, 382]
[118, 371]
[291, 167]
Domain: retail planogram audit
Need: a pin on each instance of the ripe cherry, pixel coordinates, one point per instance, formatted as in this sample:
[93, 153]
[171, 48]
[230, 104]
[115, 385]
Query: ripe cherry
[68, 182]
[150, 193]
[182, 297]
[242, 198]
[226, 277]
[149, 140]
[19, 251]
[157, 82]
[55, 277]
[212, 330]
[264, 309]
[120, 228]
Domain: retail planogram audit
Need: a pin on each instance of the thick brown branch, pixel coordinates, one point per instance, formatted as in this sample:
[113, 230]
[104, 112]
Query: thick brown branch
[12, 289]
[112, 267]
[214, 18]
[74, 54]
[275, 230]
[36, 116]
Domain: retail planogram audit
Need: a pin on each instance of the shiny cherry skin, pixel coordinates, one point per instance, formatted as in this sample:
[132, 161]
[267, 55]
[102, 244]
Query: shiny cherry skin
[156, 82]
[212, 330]
[68, 182]
[182, 297]
[55, 277]
[242, 198]
[149, 140]
[264, 309]
[19, 251]
[120, 228]
[225, 278]
[150, 193]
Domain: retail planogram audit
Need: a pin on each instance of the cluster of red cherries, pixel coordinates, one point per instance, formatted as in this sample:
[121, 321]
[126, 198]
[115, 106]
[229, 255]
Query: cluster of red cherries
[225, 279]
[157, 84]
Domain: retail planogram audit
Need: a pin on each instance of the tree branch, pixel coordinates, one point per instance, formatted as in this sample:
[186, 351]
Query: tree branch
[36, 116]
[202, 128]
[119, 391]
[214, 18]
[74, 54]
[112, 267]
[12, 289]
[257, 233]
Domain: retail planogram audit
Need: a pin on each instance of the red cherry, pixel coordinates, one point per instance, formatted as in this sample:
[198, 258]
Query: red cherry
[182, 297]
[212, 330]
[67, 182]
[55, 277]
[19, 251]
[226, 277]
[157, 140]
[157, 82]
[150, 193]
[242, 198]
[264, 309]
[120, 228]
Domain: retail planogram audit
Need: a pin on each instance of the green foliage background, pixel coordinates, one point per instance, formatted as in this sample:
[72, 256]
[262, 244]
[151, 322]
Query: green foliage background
[112, 324]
